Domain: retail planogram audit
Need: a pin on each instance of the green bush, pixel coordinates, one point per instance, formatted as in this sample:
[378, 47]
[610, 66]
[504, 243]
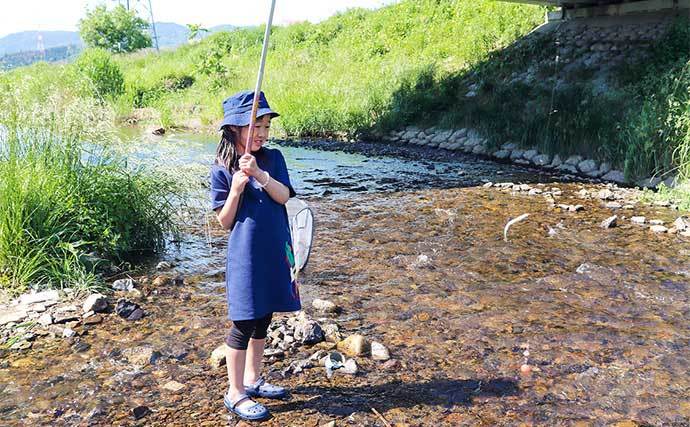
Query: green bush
[67, 205]
[102, 72]
[117, 30]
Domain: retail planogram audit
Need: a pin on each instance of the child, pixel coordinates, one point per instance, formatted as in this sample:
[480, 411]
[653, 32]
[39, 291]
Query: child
[248, 194]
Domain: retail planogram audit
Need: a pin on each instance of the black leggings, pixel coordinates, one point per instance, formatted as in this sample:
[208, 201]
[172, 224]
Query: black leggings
[242, 330]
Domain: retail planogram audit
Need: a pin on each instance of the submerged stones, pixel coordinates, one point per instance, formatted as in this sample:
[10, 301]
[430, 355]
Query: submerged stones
[609, 222]
[128, 310]
[324, 306]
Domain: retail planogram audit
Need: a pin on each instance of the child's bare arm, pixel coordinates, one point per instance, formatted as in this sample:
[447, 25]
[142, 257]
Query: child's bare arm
[226, 213]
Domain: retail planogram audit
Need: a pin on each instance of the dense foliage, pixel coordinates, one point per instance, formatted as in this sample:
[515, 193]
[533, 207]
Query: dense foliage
[117, 30]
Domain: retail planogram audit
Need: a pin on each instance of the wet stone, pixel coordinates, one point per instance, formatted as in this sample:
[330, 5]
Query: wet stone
[128, 310]
[308, 332]
[125, 285]
[140, 412]
[95, 302]
[609, 222]
[324, 306]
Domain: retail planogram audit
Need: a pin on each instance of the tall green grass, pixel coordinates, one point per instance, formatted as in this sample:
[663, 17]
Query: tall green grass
[68, 204]
[638, 123]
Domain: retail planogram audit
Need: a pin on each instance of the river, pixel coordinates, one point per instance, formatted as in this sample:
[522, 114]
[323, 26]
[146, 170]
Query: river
[410, 245]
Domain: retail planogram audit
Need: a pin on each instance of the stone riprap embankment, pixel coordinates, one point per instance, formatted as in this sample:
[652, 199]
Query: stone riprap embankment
[470, 141]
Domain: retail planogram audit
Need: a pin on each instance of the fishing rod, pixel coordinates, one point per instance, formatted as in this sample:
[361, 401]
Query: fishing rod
[259, 79]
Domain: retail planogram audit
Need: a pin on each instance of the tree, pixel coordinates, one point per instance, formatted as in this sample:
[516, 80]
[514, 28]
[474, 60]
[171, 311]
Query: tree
[118, 30]
[195, 30]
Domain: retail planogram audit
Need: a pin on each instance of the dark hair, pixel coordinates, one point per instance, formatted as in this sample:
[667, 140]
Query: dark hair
[226, 152]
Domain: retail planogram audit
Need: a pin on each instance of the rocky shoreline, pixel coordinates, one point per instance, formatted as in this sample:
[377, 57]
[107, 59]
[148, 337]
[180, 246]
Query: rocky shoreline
[469, 141]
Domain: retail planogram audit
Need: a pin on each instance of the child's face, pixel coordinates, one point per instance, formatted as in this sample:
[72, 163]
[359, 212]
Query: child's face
[261, 130]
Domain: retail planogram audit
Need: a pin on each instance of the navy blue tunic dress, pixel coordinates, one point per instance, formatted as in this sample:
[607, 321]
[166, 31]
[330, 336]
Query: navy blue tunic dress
[260, 269]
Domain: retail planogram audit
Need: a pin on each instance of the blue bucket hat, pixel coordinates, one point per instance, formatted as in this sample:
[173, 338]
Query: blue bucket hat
[237, 109]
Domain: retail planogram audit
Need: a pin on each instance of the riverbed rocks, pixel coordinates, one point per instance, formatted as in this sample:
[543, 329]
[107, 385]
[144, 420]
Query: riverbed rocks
[96, 303]
[609, 222]
[324, 306]
[354, 345]
[218, 356]
[128, 310]
[141, 356]
[379, 351]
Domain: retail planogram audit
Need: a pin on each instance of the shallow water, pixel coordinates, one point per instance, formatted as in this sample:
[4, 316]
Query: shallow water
[608, 340]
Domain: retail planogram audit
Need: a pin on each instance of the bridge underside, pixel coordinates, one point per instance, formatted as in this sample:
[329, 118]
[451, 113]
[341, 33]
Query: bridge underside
[573, 9]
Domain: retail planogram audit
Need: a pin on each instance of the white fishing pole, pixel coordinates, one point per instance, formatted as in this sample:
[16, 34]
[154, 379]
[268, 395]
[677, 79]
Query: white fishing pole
[259, 79]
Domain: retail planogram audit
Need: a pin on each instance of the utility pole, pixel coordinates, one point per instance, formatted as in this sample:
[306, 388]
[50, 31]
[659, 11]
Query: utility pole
[153, 26]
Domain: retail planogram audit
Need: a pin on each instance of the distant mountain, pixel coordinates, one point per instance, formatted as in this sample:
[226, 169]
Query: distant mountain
[19, 49]
[30, 40]
[169, 35]
[53, 54]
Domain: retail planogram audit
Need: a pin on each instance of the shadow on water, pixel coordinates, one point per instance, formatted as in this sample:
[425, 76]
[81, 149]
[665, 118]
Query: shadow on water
[342, 401]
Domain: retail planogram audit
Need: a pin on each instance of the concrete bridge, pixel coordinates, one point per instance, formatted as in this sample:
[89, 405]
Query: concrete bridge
[574, 9]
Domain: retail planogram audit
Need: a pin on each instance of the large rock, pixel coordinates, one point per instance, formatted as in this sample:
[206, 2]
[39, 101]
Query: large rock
[410, 135]
[609, 222]
[567, 167]
[324, 306]
[37, 297]
[13, 315]
[541, 160]
[479, 149]
[501, 154]
[604, 168]
[218, 356]
[658, 229]
[529, 155]
[458, 134]
[651, 182]
[606, 194]
[588, 166]
[615, 176]
[308, 332]
[354, 345]
[95, 302]
[516, 154]
[332, 333]
[556, 162]
[141, 356]
[128, 310]
[379, 351]
[573, 160]
[125, 285]
[682, 223]
[173, 386]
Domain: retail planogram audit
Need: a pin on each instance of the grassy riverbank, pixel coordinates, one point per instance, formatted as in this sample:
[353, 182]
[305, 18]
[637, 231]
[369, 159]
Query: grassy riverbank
[69, 207]
[413, 62]
[335, 77]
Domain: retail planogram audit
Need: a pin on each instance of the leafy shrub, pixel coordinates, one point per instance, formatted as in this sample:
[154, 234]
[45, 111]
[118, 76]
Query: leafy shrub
[104, 74]
[118, 30]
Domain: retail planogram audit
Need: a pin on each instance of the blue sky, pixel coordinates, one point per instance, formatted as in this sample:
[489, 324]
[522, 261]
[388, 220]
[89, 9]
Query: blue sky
[47, 15]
